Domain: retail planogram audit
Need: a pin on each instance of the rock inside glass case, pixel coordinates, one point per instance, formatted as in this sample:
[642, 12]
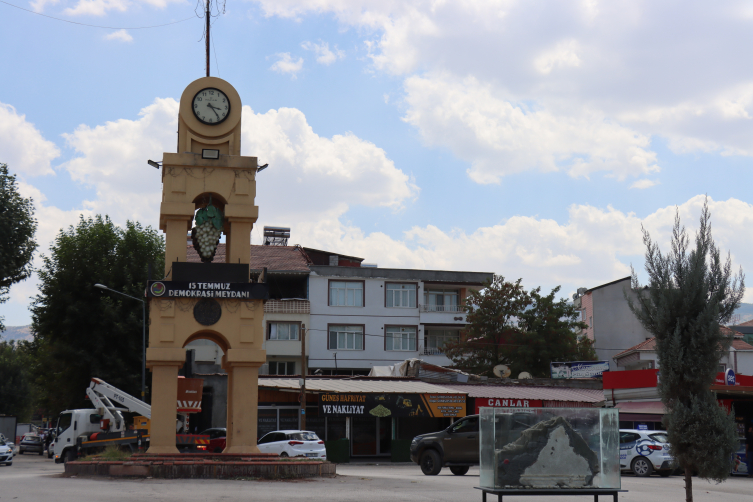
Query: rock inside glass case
[549, 448]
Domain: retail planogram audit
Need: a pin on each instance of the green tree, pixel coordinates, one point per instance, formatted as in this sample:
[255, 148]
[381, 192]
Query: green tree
[80, 331]
[15, 386]
[17, 228]
[492, 315]
[523, 330]
[549, 332]
[690, 292]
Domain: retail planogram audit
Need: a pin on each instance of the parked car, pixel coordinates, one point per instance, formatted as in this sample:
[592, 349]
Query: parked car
[6, 453]
[456, 446]
[31, 443]
[643, 452]
[293, 444]
[216, 439]
[8, 443]
[739, 467]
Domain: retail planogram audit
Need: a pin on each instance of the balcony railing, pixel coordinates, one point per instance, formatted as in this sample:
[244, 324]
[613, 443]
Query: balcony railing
[442, 308]
[428, 351]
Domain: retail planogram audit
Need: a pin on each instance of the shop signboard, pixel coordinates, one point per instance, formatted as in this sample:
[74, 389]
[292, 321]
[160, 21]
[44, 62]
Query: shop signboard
[229, 290]
[493, 402]
[578, 369]
[392, 405]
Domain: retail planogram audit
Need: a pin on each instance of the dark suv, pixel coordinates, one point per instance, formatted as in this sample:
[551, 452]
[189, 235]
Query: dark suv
[31, 443]
[455, 447]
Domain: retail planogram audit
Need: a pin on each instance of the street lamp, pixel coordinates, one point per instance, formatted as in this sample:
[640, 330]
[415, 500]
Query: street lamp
[143, 336]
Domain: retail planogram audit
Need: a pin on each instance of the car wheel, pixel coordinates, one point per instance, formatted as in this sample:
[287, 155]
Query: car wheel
[642, 467]
[41, 452]
[49, 454]
[20, 451]
[459, 470]
[283, 455]
[69, 456]
[431, 464]
[218, 450]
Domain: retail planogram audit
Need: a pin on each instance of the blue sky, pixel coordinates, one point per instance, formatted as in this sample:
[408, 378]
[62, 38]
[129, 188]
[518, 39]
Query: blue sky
[530, 139]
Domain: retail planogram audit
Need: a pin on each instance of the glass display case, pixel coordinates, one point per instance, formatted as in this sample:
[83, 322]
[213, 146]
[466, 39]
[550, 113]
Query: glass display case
[549, 448]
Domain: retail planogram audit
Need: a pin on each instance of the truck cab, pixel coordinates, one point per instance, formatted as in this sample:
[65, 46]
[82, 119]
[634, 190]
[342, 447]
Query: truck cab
[71, 425]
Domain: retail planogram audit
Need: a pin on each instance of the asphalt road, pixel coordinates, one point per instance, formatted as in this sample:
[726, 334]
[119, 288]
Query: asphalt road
[35, 479]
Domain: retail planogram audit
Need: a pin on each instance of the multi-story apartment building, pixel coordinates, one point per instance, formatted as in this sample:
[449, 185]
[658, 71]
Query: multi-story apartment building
[368, 316]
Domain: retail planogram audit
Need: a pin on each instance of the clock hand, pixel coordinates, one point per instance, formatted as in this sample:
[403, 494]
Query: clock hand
[214, 109]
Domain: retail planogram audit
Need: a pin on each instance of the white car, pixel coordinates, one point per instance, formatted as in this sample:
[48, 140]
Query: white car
[6, 454]
[293, 444]
[644, 452]
[8, 443]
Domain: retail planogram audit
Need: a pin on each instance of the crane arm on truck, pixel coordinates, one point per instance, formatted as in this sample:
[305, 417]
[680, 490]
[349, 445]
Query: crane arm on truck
[113, 397]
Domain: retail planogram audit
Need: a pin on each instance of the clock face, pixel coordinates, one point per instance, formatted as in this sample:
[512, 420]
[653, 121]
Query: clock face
[211, 106]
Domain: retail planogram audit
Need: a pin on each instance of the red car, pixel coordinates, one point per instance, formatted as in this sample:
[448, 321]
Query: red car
[216, 440]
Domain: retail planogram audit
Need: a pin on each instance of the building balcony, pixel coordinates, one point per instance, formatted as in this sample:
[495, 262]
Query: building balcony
[441, 314]
[287, 307]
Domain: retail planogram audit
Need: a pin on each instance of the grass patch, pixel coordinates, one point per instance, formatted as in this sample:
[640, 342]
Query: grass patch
[111, 453]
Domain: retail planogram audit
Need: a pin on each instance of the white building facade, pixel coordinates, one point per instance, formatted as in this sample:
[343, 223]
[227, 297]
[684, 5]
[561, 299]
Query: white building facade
[367, 316]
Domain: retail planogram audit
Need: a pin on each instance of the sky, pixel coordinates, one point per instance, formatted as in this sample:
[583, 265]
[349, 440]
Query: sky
[532, 139]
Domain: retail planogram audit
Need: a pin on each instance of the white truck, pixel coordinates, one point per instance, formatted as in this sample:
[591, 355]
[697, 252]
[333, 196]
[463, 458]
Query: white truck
[91, 430]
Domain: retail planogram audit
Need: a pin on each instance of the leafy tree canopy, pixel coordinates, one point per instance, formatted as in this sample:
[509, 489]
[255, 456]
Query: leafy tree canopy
[80, 331]
[17, 228]
[690, 293]
[15, 386]
[523, 330]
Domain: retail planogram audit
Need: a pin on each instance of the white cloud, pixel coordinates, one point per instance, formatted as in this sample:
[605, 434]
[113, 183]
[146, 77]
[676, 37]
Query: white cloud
[594, 246]
[121, 35]
[286, 64]
[644, 183]
[22, 146]
[323, 53]
[102, 7]
[634, 75]
[39, 5]
[562, 56]
[499, 136]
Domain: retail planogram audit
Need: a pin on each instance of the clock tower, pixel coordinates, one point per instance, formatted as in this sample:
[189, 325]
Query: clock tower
[208, 189]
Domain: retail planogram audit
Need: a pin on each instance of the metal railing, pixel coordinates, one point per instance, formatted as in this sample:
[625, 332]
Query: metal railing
[441, 308]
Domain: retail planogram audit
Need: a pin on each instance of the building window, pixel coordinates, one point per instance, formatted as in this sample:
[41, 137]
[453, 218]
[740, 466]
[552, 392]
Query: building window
[284, 331]
[282, 367]
[346, 337]
[345, 294]
[399, 338]
[435, 340]
[441, 300]
[401, 295]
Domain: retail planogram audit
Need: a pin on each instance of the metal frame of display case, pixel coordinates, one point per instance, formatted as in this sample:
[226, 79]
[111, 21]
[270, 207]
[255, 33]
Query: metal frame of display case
[573, 491]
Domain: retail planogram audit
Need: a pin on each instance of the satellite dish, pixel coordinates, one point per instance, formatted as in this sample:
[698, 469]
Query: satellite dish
[501, 371]
[524, 375]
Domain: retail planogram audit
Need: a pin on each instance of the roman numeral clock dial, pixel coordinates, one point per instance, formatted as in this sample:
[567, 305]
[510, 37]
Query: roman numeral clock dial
[211, 106]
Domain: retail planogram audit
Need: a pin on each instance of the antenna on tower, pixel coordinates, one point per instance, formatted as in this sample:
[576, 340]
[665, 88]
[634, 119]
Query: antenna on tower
[210, 9]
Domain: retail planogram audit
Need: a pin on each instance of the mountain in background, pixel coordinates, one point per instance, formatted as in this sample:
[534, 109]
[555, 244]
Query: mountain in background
[16, 333]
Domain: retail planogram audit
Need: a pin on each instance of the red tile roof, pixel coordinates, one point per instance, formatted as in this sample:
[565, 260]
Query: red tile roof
[746, 323]
[275, 258]
[650, 345]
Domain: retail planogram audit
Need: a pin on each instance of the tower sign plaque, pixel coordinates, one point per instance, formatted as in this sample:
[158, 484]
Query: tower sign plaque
[209, 178]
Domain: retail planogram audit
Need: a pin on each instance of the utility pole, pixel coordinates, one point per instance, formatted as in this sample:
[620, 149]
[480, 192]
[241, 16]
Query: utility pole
[303, 377]
[206, 15]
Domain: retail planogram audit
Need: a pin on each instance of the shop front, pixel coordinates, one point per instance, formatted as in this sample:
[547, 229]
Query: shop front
[373, 414]
[375, 420]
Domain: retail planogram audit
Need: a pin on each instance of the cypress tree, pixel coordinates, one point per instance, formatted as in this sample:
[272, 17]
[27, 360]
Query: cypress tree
[690, 292]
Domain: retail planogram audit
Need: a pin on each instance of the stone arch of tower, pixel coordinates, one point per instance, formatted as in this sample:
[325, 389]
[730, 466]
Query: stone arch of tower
[235, 324]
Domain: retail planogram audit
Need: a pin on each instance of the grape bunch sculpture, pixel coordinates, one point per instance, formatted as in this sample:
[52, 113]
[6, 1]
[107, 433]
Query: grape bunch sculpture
[205, 235]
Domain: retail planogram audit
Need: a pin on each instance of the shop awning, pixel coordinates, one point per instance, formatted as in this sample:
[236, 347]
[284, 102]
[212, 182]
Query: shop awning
[530, 392]
[643, 408]
[359, 386]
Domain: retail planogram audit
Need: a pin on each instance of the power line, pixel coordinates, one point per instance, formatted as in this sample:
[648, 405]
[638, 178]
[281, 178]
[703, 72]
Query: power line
[95, 25]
